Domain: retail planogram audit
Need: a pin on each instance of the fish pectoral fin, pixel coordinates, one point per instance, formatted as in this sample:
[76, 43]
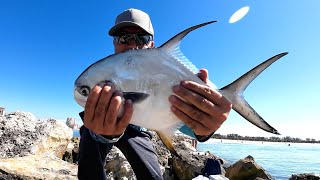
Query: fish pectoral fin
[167, 141]
[135, 97]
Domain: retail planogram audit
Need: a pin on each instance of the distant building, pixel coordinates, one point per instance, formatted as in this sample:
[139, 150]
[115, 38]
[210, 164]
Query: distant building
[1, 111]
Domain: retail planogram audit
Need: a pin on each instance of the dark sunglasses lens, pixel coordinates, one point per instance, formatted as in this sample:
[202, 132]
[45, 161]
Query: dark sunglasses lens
[144, 39]
[123, 39]
[120, 40]
[139, 39]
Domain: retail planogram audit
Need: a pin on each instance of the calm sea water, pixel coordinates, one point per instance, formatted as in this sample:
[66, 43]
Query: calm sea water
[76, 133]
[280, 160]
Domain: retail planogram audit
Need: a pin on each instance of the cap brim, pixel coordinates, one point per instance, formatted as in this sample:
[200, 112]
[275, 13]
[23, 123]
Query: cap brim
[115, 28]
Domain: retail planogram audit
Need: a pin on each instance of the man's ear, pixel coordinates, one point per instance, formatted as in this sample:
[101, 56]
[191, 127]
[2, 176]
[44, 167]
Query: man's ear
[151, 44]
[113, 41]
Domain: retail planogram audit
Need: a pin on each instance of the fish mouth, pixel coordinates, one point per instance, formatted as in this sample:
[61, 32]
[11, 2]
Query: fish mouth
[80, 99]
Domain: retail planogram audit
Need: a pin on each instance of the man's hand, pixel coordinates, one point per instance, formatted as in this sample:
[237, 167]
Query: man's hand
[102, 108]
[205, 110]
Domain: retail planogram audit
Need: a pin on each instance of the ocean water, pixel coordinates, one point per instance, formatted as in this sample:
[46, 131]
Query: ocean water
[76, 133]
[280, 160]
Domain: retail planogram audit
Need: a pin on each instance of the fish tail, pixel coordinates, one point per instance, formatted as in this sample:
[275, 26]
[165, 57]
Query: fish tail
[234, 93]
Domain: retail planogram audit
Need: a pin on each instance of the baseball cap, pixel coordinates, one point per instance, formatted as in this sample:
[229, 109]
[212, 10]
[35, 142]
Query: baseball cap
[132, 17]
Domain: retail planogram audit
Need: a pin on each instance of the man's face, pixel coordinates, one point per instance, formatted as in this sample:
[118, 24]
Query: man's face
[119, 47]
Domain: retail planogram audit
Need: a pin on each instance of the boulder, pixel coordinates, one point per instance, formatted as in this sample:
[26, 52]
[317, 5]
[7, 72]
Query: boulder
[22, 134]
[191, 162]
[71, 154]
[308, 176]
[245, 169]
[40, 166]
[117, 166]
[33, 149]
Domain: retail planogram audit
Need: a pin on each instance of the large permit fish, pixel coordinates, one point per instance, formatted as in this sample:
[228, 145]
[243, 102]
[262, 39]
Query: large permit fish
[146, 76]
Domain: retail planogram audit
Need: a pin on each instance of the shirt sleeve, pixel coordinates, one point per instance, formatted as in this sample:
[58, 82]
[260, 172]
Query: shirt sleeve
[101, 138]
[188, 131]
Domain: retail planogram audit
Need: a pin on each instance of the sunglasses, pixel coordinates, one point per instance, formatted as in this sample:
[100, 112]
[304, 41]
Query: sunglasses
[140, 39]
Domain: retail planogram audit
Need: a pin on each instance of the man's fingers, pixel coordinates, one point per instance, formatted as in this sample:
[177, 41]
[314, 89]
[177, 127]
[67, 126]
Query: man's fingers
[196, 126]
[193, 112]
[91, 105]
[126, 117]
[103, 104]
[206, 92]
[200, 122]
[113, 110]
[197, 100]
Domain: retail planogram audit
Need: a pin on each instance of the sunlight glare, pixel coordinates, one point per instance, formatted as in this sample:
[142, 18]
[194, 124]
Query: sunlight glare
[238, 15]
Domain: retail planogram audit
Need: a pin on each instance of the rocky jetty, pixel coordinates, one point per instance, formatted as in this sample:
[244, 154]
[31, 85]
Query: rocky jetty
[45, 149]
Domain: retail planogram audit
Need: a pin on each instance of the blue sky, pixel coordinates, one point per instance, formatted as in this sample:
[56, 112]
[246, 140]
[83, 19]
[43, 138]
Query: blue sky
[45, 45]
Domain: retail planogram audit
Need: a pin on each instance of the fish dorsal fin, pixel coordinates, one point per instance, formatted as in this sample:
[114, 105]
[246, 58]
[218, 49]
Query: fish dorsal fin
[172, 47]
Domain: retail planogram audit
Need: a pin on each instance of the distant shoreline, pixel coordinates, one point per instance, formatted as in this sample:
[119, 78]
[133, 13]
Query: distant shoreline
[76, 133]
[237, 141]
[287, 139]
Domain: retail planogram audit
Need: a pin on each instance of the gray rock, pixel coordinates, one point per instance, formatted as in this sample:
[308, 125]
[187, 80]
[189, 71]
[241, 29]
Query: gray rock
[305, 176]
[16, 131]
[32, 149]
[245, 169]
[169, 163]
[22, 134]
[40, 166]
[117, 166]
[191, 162]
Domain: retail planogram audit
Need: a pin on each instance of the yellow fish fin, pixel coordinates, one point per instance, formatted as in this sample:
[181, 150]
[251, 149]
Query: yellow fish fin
[167, 141]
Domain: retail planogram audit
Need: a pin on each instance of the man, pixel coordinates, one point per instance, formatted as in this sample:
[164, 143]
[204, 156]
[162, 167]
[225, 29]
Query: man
[204, 113]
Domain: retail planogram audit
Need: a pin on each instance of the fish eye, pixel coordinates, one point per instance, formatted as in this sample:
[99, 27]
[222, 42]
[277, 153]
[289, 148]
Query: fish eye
[84, 90]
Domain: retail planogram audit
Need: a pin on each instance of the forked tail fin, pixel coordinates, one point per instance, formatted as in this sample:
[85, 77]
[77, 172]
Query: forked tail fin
[234, 93]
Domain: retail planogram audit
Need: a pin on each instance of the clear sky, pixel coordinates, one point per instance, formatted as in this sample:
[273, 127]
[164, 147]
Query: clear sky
[45, 45]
